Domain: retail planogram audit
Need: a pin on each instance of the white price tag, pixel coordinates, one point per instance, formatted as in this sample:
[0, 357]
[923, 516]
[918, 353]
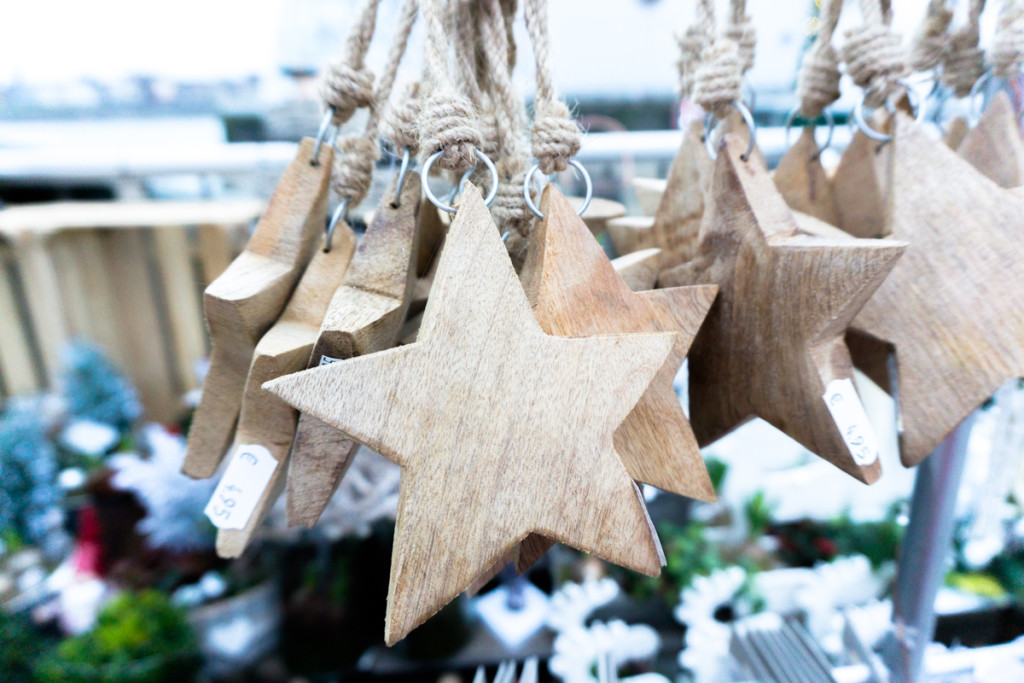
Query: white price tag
[241, 488]
[327, 360]
[852, 421]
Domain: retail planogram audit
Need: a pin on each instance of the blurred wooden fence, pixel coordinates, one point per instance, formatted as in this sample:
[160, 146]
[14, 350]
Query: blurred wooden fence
[127, 276]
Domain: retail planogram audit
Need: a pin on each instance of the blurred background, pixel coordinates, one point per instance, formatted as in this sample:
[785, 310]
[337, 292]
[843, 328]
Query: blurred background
[139, 142]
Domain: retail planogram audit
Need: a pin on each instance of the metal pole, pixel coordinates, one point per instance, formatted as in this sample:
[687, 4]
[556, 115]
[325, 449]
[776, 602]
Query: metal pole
[923, 555]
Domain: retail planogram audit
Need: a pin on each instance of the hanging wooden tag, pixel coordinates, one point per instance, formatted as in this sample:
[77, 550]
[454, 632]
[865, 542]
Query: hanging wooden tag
[951, 307]
[802, 180]
[247, 298]
[501, 430]
[575, 292]
[861, 183]
[995, 146]
[266, 421]
[773, 343]
[365, 315]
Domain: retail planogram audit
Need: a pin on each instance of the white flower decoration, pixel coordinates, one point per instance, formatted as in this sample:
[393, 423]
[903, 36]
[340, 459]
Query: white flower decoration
[572, 603]
[699, 601]
[579, 651]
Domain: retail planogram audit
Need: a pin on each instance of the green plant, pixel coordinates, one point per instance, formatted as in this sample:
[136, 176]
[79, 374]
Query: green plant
[759, 515]
[806, 542]
[138, 638]
[20, 645]
[717, 470]
[687, 554]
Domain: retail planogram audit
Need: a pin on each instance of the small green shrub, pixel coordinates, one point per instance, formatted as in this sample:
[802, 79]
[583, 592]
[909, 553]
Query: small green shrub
[138, 638]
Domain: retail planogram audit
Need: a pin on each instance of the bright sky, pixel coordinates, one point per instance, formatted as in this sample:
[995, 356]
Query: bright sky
[610, 46]
[59, 40]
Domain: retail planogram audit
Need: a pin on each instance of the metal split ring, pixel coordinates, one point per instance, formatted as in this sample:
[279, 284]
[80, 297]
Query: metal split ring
[327, 133]
[339, 213]
[403, 170]
[830, 119]
[588, 195]
[710, 123]
[425, 175]
[976, 89]
[915, 102]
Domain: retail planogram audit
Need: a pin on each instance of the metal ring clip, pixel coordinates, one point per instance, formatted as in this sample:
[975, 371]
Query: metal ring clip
[586, 179]
[425, 174]
[403, 170]
[327, 133]
[915, 102]
[711, 122]
[339, 213]
[830, 119]
[972, 98]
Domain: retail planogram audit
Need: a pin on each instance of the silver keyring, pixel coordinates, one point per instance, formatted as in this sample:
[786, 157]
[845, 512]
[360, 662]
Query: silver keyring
[336, 217]
[586, 180]
[400, 180]
[915, 101]
[975, 109]
[830, 119]
[425, 175]
[711, 122]
[326, 133]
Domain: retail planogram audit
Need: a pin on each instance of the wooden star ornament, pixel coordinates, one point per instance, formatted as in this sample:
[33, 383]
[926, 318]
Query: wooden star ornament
[952, 306]
[575, 292]
[773, 341]
[501, 430]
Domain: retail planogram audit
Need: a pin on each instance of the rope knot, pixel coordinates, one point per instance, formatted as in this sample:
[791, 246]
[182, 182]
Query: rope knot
[448, 124]
[874, 59]
[555, 138]
[818, 81]
[690, 45]
[932, 41]
[719, 78]
[1007, 51]
[745, 36]
[353, 168]
[403, 117]
[346, 89]
[964, 63]
[509, 210]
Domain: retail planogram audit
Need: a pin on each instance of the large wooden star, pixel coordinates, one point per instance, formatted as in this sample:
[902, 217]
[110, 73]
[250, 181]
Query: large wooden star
[575, 292]
[773, 340]
[952, 306]
[501, 430]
